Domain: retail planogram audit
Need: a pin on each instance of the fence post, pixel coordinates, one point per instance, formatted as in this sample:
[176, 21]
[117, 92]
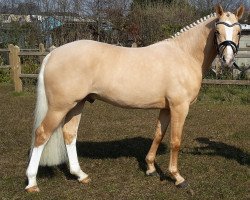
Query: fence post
[134, 45]
[52, 48]
[42, 51]
[16, 65]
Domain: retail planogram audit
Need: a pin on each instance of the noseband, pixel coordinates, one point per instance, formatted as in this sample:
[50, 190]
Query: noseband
[222, 46]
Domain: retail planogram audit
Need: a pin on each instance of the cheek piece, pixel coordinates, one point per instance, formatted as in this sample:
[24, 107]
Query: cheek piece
[220, 47]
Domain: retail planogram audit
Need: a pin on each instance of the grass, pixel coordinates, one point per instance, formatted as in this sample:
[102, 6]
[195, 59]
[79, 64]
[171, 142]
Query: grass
[225, 93]
[113, 142]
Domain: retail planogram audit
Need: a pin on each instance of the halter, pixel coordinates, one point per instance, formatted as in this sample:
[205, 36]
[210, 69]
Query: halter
[222, 46]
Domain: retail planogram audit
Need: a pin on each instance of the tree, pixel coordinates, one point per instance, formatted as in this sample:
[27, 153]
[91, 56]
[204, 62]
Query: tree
[209, 4]
[29, 8]
[147, 2]
[156, 22]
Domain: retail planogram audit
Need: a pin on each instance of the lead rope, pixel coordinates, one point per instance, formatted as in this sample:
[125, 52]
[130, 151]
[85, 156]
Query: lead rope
[241, 70]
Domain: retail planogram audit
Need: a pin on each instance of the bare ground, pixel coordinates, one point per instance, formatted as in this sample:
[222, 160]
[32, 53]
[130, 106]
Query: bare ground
[112, 145]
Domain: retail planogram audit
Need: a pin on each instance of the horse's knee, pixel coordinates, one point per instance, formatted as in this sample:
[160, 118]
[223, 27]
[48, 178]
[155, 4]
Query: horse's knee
[41, 136]
[175, 145]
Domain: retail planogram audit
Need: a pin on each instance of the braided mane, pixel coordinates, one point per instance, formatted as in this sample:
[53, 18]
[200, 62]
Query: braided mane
[194, 24]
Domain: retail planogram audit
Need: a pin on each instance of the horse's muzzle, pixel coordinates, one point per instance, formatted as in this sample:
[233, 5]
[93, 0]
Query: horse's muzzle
[227, 61]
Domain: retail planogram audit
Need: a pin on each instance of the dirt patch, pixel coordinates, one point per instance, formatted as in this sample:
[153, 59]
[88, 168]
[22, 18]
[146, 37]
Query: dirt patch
[112, 145]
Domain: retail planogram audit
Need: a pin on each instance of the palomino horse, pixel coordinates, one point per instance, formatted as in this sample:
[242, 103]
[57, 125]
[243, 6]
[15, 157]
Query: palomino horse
[166, 75]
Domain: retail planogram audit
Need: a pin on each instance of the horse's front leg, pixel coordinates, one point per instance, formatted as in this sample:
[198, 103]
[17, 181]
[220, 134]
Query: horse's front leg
[178, 116]
[161, 128]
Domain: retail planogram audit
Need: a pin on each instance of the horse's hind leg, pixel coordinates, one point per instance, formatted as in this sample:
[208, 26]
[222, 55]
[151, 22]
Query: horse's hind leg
[70, 128]
[161, 128]
[42, 134]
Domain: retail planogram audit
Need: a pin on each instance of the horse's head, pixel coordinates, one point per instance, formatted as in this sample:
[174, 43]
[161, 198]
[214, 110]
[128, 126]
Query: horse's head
[227, 34]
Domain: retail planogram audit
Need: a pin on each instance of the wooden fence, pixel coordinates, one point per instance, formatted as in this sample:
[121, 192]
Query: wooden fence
[16, 69]
[243, 55]
[232, 82]
[225, 82]
[6, 66]
[15, 63]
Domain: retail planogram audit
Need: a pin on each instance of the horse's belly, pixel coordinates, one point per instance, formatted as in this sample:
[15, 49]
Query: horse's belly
[133, 101]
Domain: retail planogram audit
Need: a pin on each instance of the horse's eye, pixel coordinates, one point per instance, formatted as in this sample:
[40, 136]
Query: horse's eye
[238, 34]
[217, 32]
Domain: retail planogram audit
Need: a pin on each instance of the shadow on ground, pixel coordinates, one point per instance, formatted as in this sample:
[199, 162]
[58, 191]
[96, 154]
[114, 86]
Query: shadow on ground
[136, 147]
[215, 148]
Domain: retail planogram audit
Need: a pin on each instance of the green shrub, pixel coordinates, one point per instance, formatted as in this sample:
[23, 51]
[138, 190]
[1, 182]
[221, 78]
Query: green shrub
[5, 76]
[4, 73]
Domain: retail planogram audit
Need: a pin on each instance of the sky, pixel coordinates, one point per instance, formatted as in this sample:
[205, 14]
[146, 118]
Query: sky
[247, 3]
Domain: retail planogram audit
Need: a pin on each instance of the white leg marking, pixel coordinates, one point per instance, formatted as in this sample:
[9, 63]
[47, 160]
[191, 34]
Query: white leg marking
[178, 177]
[33, 165]
[73, 161]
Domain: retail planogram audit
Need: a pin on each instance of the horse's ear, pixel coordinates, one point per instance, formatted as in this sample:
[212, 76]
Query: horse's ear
[219, 10]
[239, 12]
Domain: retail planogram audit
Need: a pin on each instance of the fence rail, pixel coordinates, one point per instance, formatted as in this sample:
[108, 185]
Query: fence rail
[15, 63]
[33, 53]
[4, 50]
[243, 55]
[28, 75]
[225, 82]
[16, 69]
[5, 66]
[244, 49]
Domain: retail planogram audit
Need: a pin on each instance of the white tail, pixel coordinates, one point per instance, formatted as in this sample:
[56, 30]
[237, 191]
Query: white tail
[54, 152]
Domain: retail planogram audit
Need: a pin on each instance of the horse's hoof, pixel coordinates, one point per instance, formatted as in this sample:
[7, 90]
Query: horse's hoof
[183, 185]
[85, 180]
[32, 189]
[154, 173]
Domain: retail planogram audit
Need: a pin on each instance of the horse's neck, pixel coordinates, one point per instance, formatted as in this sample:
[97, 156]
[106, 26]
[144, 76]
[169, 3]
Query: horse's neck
[198, 43]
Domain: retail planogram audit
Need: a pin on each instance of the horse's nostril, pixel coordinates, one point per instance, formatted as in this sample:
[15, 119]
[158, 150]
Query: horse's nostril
[223, 58]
